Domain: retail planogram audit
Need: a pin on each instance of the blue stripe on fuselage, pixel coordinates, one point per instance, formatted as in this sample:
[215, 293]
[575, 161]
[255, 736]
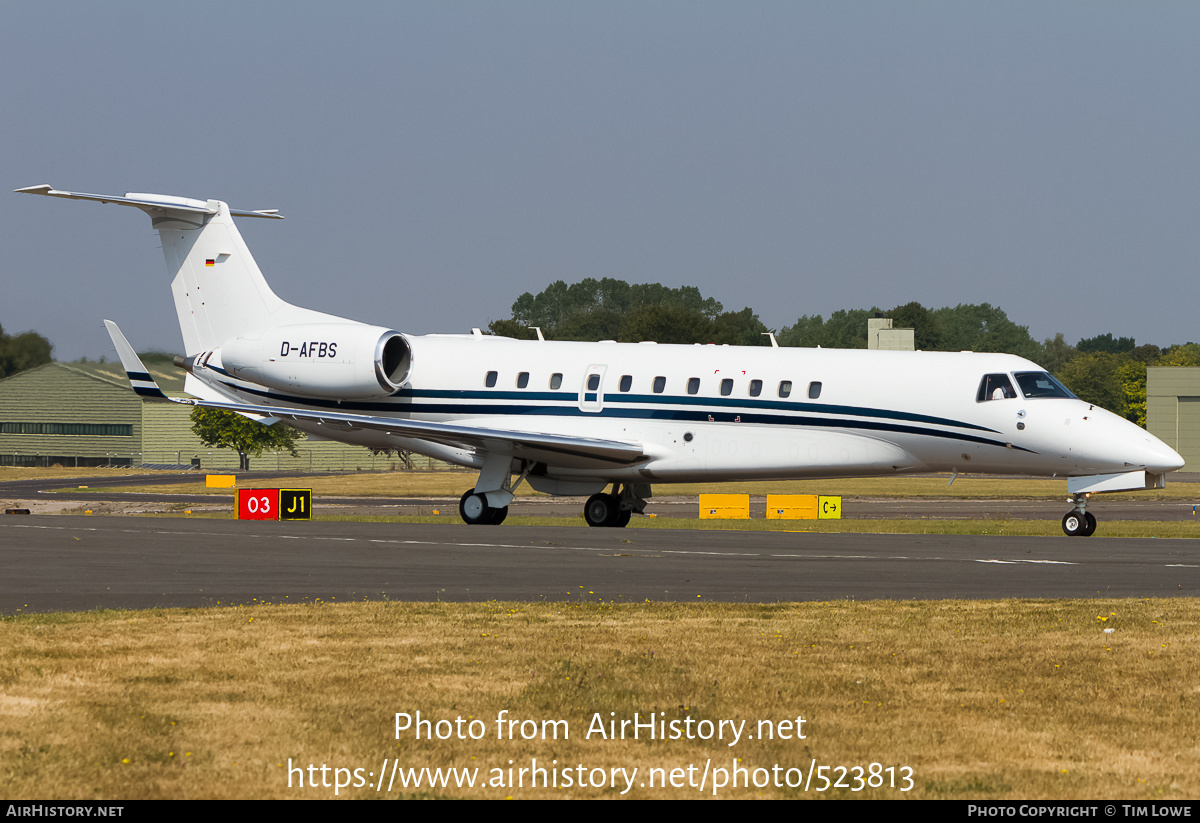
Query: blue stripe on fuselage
[730, 405]
[727, 413]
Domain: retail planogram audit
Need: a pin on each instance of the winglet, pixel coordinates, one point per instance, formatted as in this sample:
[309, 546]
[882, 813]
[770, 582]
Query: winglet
[140, 379]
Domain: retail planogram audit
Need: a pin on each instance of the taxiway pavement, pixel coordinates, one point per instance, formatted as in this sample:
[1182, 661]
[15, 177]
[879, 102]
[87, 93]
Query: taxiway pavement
[68, 563]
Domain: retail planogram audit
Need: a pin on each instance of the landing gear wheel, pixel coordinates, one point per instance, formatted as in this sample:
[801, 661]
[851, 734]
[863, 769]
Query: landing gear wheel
[474, 510]
[602, 510]
[1075, 523]
[623, 518]
[498, 515]
[1090, 526]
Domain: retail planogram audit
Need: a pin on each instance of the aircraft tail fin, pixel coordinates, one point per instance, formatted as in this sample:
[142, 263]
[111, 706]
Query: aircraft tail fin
[219, 290]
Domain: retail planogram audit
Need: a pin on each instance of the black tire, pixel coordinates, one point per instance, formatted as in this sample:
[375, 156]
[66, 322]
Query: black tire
[623, 518]
[1089, 527]
[498, 515]
[1074, 523]
[474, 510]
[601, 510]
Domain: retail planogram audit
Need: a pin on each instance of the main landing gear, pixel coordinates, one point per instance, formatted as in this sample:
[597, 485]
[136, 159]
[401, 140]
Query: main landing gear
[475, 511]
[616, 509]
[612, 510]
[490, 506]
[1078, 522]
[605, 510]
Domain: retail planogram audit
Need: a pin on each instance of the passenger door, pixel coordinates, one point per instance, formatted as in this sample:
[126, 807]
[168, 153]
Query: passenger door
[591, 392]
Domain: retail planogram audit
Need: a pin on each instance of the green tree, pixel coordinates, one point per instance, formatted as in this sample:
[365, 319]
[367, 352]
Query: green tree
[738, 328]
[546, 309]
[1146, 354]
[665, 324]
[597, 324]
[845, 329]
[1132, 375]
[807, 331]
[1107, 343]
[688, 298]
[22, 351]
[1096, 378]
[983, 327]
[611, 309]
[222, 429]
[927, 335]
[510, 328]
[1056, 353]
[1187, 354]
[596, 309]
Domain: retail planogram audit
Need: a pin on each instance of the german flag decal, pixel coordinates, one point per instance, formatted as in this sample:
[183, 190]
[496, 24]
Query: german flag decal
[210, 262]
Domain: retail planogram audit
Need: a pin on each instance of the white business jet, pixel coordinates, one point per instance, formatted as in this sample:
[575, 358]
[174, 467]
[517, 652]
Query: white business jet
[573, 418]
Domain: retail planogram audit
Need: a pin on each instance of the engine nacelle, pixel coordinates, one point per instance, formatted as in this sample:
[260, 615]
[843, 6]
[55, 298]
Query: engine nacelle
[340, 361]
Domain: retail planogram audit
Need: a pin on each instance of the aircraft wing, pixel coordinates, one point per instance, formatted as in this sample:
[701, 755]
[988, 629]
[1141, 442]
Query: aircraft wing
[558, 449]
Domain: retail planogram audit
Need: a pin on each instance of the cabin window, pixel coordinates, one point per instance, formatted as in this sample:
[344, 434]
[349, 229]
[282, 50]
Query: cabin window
[995, 387]
[814, 390]
[726, 387]
[1041, 384]
[556, 380]
[523, 380]
[755, 388]
[626, 382]
[693, 385]
[660, 385]
[785, 388]
[593, 382]
[490, 380]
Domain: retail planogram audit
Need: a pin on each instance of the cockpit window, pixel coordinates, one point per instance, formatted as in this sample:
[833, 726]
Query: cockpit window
[1041, 384]
[995, 387]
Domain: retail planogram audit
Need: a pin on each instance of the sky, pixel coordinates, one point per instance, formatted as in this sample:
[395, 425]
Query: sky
[434, 160]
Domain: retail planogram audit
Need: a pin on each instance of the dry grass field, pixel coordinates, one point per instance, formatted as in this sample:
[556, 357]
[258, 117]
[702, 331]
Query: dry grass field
[57, 472]
[1092, 699]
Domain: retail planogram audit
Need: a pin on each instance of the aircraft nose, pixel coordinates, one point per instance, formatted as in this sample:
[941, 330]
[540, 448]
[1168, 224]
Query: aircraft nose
[1158, 457]
[1112, 443]
[1138, 448]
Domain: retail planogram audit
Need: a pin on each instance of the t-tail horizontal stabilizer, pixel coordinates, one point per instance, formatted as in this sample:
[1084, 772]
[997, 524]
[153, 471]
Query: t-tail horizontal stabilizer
[135, 370]
[151, 202]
